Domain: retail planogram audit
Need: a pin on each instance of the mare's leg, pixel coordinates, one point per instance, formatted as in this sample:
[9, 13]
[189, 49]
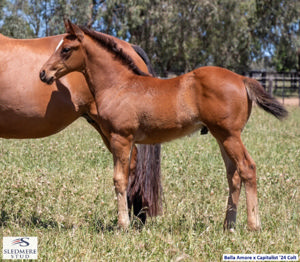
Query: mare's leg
[234, 182]
[121, 150]
[246, 169]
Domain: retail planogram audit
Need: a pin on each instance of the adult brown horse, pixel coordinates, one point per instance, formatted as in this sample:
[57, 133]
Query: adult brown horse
[134, 107]
[30, 110]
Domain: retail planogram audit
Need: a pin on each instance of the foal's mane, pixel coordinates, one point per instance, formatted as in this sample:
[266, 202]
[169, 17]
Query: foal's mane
[110, 45]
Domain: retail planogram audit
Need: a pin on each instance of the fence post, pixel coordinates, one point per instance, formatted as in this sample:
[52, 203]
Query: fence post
[299, 84]
[263, 79]
[283, 88]
[270, 85]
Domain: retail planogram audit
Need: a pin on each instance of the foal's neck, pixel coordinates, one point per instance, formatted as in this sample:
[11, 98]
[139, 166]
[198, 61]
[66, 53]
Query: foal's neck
[102, 69]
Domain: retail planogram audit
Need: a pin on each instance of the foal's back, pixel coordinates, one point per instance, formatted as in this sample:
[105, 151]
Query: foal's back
[162, 110]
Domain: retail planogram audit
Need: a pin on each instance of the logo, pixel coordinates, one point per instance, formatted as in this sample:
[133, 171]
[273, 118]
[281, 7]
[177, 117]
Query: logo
[21, 242]
[20, 248]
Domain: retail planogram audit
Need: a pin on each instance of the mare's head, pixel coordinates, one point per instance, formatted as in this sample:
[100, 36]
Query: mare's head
[68, 56]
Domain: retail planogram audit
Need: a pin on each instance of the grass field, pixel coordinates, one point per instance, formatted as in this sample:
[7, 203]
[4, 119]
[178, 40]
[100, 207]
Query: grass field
[60, 189]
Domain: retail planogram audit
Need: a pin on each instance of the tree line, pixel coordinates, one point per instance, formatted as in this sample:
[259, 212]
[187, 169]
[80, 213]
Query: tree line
[178, 36]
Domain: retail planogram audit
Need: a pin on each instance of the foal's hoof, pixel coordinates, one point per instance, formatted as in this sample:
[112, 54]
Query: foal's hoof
[254, 224]
[254, 227]
[124, 223]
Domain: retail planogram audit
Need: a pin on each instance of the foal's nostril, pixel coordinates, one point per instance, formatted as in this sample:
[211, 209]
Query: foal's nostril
[42, 75]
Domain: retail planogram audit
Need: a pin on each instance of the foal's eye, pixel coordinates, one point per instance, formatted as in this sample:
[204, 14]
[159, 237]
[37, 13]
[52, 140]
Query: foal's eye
[65, 50]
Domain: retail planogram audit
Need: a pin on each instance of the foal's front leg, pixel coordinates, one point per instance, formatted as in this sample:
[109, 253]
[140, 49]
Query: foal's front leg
[121, 150]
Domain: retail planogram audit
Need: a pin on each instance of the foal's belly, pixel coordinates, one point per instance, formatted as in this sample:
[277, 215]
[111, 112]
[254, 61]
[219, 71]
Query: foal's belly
[161, 135]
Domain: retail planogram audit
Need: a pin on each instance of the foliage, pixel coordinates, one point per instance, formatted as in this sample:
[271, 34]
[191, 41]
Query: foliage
[60, 189]
[177, 35]
[16, 27]
[278, 30]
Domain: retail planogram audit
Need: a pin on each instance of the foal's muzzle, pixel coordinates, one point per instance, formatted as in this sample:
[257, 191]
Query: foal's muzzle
[44, 78]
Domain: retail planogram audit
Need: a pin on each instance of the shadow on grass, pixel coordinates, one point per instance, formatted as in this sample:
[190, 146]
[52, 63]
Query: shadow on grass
[33, 221]
[99, 225]
[3, 218]
[96, 225]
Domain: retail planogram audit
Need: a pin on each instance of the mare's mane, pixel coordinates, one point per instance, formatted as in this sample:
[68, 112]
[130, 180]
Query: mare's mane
[110, 45]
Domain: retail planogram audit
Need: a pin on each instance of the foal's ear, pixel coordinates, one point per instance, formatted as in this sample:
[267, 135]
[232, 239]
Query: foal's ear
[73, 30]
[66, 23]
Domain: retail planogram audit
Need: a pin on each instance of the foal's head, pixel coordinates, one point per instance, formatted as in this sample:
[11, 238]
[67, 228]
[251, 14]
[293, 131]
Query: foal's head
[68, 56]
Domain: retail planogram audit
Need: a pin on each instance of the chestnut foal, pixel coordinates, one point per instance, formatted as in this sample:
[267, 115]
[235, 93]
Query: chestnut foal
[134, 107]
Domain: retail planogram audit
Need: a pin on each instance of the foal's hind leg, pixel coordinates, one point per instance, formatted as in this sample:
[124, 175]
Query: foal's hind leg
[234, 182]
[246, 170]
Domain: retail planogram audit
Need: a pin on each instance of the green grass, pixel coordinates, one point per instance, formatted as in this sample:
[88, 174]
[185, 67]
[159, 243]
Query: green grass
[60, 189]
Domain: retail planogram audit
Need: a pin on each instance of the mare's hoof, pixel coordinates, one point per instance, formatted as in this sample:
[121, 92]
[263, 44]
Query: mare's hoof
[204, 130]
[231, 230]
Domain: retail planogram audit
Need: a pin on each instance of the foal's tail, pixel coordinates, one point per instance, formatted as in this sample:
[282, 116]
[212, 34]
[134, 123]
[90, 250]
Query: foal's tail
[257, 94]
